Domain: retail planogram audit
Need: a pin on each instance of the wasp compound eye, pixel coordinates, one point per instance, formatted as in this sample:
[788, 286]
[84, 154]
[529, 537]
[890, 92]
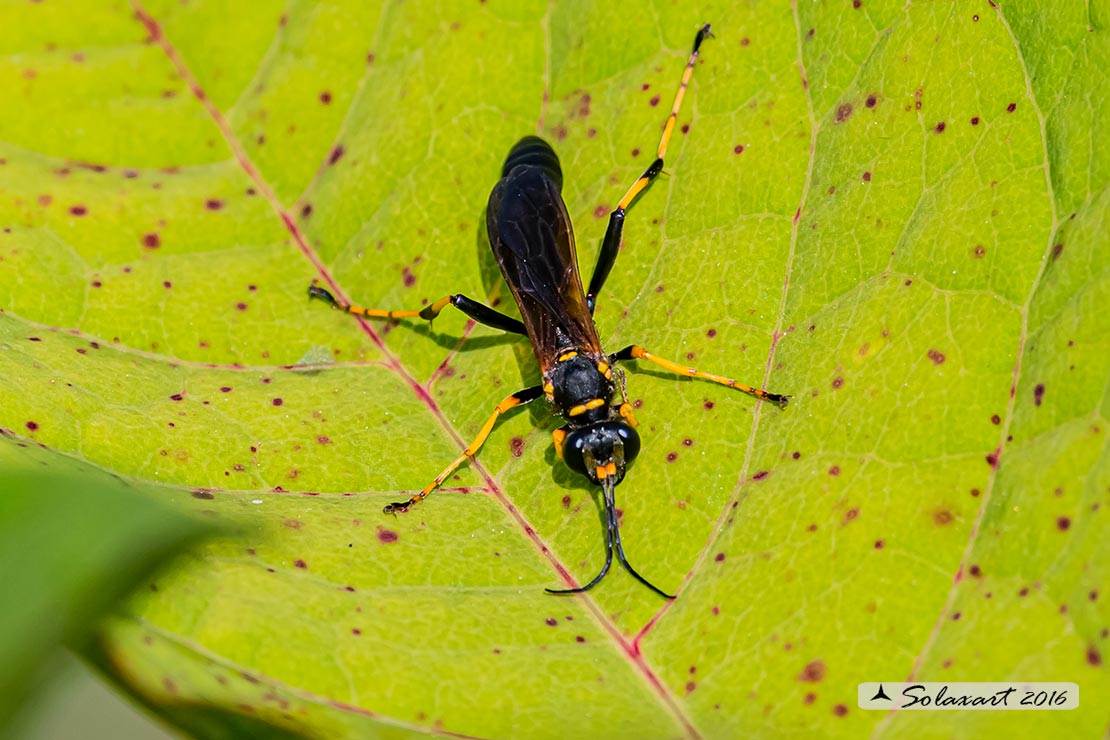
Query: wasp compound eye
[598, 443]
[631, 439]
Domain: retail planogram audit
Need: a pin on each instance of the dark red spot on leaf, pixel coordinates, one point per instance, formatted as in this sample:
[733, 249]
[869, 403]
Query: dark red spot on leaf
[1011, 107]
[300, 563]
[813, 672]
[1063, 523]
[78, 210]
[940, 127]
[843, 112]
[325, 97]
[32, 426]
[386, 536]
[720, 557]
[738, 149]
[277, 402]
[516, 446]
[1038, 394]
[936, 356]
[151, 241]
[336, 154]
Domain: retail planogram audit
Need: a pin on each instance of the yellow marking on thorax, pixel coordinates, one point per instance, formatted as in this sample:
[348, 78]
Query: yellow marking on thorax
[587, 406]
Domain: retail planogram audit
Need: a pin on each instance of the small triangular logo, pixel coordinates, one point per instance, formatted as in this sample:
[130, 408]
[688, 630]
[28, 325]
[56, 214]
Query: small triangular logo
[880, 694]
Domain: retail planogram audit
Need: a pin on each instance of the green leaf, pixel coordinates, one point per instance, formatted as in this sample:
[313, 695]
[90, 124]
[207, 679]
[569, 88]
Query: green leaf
[894, 213]
[73, 543]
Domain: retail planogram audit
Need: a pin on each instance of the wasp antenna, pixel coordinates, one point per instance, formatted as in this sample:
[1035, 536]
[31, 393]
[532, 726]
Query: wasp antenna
[611, 537]
[611, 511]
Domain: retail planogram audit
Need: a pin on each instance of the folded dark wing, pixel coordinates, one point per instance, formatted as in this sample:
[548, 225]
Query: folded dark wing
[531, 236]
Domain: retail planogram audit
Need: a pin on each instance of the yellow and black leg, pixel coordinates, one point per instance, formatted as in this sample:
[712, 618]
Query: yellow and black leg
[636, 352]
[612, 242]
[479, 312]
[511, 402]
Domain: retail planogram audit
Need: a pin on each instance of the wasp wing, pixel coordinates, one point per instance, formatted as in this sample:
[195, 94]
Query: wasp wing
[531, 236]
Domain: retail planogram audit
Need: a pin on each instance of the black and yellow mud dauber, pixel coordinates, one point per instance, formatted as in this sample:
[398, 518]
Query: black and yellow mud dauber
[531, 236]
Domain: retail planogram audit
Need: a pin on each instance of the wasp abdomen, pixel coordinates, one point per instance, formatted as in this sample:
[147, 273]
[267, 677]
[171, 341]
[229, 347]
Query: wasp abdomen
[534, 151]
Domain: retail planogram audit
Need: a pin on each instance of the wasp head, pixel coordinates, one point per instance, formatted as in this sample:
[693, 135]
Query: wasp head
[602, 450]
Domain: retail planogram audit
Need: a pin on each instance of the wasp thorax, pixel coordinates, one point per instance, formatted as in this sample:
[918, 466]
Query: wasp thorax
[581, 391]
